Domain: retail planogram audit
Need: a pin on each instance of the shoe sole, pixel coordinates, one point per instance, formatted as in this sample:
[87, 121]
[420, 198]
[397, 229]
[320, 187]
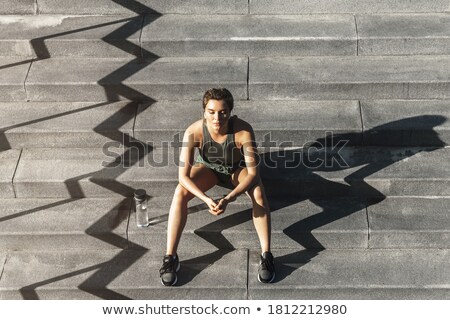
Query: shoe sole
[176, 278]
[270, 281]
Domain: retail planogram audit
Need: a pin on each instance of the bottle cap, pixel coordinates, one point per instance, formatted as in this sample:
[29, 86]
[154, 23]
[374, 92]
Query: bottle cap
[140, 194]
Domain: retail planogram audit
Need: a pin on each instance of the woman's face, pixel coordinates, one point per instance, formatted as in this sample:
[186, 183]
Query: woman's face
[216, 114]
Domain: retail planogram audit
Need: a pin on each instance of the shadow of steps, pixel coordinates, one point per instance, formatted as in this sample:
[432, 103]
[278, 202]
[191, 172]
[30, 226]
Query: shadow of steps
[190, 35]
[130, 274]
[281, 78]
[62, 224]
[367, 172]
[275, 123]
[311, 223]
[122, 274]
[65, 124]
[8, 164]
[45, 36]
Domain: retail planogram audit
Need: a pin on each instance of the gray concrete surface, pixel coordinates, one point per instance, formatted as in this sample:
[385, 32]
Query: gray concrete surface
[345, 6]
[115, 274]
[105, 7]
[406, 122]
[13, 72]
[318, 78]
[329, 275]
[144, 6]
[224, 35]
[65, 124]
[44, 36]
[3, 256]
[403, 222]
[355, 274]
[368, 171]
[79, 79]
[403, 34]
[296, 223]
[293, 123]
[81, 171]
[8, 163]
[17, 7]
[63, 224]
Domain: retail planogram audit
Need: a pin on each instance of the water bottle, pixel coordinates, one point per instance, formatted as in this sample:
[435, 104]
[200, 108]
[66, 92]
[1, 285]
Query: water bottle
[140, 199]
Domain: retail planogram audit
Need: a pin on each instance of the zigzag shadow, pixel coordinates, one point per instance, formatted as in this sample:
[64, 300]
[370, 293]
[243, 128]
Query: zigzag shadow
[217, 239]
[362, 193]
[96, 284]
[356, 185]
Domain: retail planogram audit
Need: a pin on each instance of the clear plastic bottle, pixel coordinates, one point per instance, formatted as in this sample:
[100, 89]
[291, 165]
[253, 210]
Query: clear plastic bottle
[140, 200]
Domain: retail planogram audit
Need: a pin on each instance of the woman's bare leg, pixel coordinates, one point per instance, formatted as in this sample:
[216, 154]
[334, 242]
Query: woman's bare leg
[205, 179]
[261, 210]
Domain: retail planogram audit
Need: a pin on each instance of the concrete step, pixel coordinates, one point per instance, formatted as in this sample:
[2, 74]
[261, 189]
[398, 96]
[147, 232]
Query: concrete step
[44, 36]
[254, 35]
[318, 78]
[107, 7]
[303, 78]
[122, 274]
[17, 7]
[401, 34]
[96, 79]
[89, 223]
[310, 223]
[133, 274]
[8, 165]
[342, 171]
[285, 123]
[63, 224]
[406, 122]
[65, 124]
[404, 222]
[296, 222]
[13, 72]
[348, 6]
[298, 123]
[355, 274]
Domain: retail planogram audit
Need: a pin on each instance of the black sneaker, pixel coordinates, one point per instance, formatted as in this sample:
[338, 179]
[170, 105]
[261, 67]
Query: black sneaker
[169, 269]
[266, 270]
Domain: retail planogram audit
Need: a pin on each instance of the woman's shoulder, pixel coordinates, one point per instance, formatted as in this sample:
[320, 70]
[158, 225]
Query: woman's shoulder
[240, 125]
[243, 131]
[196, 129]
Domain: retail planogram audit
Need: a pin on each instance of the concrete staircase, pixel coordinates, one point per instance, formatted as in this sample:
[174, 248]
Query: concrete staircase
[348, 100]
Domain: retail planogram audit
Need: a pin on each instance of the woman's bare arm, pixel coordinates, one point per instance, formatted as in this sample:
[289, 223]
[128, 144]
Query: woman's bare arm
[186, 162]
[251, 157]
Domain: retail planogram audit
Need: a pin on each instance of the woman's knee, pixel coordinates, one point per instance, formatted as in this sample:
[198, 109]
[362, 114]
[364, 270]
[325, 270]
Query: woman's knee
[258, 198]
[181, 193]
[256, 193]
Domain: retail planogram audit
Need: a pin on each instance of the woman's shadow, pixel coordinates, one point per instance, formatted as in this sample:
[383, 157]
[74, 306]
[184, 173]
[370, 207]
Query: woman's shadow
[295, 175]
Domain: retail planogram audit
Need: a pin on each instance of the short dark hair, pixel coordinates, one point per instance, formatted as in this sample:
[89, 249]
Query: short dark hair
[218, 94]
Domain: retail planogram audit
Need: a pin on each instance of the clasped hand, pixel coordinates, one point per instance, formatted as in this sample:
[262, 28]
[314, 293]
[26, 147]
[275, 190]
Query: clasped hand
[217, 208]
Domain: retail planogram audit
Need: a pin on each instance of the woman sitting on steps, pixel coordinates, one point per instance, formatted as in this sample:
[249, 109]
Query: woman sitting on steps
[227, 157]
